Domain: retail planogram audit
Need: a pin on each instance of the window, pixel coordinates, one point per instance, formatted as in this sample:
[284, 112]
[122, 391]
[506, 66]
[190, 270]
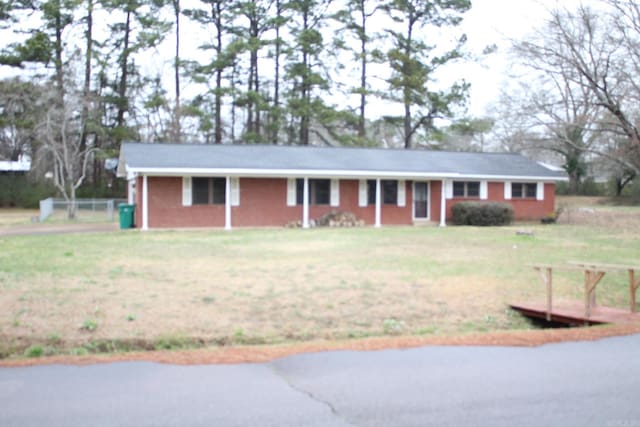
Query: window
[209, 191]
[388, 190]
[319, 191]
[466, 189]
[524, 190]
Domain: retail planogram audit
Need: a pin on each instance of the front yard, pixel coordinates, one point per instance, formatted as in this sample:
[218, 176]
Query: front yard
[76, 292]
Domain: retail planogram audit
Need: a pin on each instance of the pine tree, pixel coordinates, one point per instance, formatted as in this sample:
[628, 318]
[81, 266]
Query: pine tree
[413, 62]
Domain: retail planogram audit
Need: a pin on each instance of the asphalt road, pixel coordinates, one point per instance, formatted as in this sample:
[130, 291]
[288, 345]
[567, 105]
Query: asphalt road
[572, 384]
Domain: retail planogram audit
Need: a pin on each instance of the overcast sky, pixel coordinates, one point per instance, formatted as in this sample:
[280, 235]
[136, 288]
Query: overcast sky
[495, 22]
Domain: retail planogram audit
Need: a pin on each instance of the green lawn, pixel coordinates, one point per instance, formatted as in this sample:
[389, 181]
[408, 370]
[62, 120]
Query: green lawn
[275, 285]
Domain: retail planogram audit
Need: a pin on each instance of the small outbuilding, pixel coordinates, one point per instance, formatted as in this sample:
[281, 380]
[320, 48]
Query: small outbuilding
[183, 185]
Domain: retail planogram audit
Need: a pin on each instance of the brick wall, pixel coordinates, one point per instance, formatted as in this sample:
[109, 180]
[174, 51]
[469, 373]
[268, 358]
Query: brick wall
[523, 209]
[263, 202]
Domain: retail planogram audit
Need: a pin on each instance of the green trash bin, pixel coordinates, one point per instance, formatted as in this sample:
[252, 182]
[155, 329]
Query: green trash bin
[126, 215]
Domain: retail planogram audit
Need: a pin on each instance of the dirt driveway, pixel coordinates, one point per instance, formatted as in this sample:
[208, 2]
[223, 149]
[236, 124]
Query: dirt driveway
[42, 229]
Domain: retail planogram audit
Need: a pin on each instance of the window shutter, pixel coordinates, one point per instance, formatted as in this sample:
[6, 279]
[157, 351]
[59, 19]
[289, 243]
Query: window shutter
[335, 192]
[507, 190]
[291, 191]
[402, 194]
[362, 193]
[186, 191]
[448, 189]
[484, 190]
[540, 191]
[235, 191]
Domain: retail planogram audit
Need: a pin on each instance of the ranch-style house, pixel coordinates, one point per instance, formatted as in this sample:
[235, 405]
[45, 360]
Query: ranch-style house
[185, 185]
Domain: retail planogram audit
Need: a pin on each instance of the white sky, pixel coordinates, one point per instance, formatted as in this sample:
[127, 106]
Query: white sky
[495, 22]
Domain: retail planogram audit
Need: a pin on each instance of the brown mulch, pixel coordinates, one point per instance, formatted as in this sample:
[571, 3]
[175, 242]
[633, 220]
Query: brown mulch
[266, 353]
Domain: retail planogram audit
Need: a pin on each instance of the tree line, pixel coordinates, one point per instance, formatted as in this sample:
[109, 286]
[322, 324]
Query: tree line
[578, 92]
[259, 71]
[331, 72]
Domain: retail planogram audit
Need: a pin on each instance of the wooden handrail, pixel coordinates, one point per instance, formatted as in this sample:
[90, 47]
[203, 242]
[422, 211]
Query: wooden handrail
[604, 266]
[593, 273]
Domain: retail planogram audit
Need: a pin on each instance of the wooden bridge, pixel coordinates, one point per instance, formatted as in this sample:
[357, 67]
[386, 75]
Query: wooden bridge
[588, 312]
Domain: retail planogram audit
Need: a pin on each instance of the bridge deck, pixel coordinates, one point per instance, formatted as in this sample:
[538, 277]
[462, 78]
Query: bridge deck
[573, 313]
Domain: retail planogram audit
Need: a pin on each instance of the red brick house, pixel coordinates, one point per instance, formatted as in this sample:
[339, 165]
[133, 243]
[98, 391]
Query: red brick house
[265, 185]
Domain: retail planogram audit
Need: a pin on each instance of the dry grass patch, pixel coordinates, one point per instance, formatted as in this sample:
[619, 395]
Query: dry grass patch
[273, 286]
[14, 216]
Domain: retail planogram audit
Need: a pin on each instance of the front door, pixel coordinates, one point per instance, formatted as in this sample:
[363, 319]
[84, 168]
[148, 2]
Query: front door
[420, 200]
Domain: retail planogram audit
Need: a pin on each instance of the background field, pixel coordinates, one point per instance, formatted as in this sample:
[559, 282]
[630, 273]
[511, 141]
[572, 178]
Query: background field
[72, 291]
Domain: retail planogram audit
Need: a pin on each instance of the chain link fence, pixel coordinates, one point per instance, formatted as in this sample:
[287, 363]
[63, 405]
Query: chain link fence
[86, 210]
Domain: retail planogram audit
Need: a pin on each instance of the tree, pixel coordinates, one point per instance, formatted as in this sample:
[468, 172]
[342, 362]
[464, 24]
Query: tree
[216, 15]
[20, 111]
[556, 101]
[599, 53]
[255, 13]
[413, 62]
[355, 19]
[60, 135]
[136, 26]
[44, 44]
[467, 134]
[177, 126]
[276, 111]
[305, 67]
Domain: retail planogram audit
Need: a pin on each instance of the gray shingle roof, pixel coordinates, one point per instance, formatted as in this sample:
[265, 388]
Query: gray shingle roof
[271, 159]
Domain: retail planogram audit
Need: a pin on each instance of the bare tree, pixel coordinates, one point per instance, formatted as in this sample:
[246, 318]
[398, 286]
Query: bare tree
[597, 54]
[60, 135]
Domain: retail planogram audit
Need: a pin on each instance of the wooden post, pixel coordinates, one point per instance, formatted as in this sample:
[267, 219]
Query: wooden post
[633, 287]
[546, 276]
[587, 299]
[591, 280]
[549, 300]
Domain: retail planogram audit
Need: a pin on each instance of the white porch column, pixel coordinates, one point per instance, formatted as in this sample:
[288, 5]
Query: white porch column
[443, 204]
[378, 204]
[227, 204]
[130, 189]
[145, 203]
[305, 203]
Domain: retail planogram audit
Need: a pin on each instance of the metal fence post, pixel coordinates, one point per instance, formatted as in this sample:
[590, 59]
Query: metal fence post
[110, 209]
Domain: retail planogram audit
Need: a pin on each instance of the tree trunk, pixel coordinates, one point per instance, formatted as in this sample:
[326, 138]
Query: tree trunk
[58, 55]
[123, 102]
[305, 88]
[253, 88]
[176, 113]
[574, 182]
[407, 90]
[275, 114]
[363, 70]
[233, 102]
[218, 94]
[87, 74]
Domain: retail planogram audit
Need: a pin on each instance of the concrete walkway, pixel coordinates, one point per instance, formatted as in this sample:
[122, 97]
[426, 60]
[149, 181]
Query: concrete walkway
[571, 384]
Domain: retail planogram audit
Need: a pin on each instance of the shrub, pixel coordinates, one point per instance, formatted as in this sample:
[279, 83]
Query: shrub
[482, 213]
[34, 351]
